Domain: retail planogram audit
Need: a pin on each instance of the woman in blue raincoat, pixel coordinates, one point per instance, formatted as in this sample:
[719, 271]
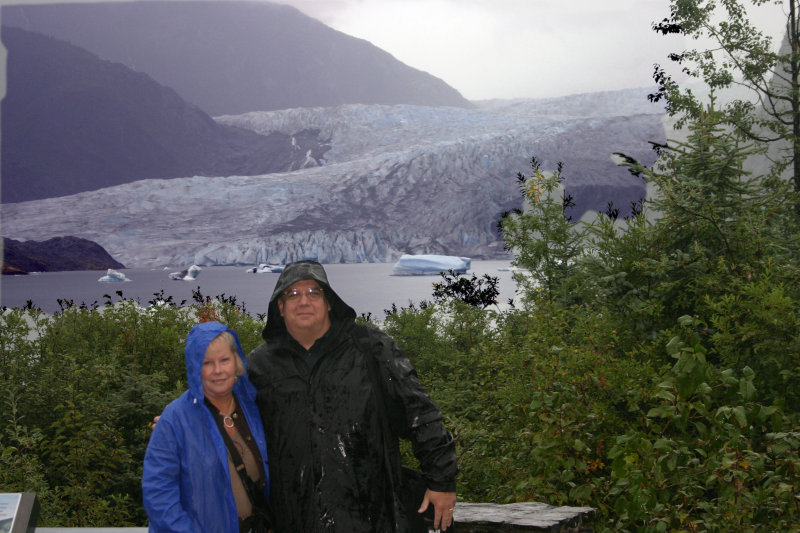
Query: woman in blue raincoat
[190, 482]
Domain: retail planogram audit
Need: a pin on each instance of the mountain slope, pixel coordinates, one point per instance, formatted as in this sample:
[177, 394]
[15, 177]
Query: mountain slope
[72, 122]
[54, 255]
[230, 57]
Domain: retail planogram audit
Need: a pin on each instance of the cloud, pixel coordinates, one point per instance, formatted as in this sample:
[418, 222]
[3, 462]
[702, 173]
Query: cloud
[519, 48]
[514, 48]
[510, 48]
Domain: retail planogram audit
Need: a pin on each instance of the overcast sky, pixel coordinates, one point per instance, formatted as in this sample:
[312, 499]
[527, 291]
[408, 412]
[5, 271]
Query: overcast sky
[513, 48]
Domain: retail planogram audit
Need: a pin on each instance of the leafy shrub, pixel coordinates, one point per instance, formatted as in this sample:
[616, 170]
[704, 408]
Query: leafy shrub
[754, 326]
[79, 390]
[709, 458]
[479, 292]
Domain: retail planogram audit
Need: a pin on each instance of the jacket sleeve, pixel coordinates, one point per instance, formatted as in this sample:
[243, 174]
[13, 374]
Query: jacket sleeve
[161, 490]
[418, 418]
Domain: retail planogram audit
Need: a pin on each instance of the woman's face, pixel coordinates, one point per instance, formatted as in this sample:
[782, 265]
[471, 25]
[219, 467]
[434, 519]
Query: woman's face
[219, 370]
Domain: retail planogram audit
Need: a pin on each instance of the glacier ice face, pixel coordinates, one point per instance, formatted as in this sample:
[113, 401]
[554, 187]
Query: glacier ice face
[398, 180]
[426, 265]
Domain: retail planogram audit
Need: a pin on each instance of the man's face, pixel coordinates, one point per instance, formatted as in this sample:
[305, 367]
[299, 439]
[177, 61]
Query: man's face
[304, 309]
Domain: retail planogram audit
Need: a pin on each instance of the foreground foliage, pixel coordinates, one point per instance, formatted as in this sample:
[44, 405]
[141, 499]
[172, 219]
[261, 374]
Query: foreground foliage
[79, 390]
[549, 406]
[546, 405]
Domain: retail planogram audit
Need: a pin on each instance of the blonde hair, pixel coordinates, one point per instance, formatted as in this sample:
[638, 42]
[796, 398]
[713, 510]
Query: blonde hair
[231, 340]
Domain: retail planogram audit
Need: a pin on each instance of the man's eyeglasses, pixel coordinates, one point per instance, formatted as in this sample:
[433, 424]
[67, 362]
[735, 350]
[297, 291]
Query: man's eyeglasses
[313, 293]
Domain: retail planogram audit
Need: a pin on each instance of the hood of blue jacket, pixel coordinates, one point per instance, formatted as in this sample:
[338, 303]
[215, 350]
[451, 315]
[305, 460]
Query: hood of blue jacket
[196, 345]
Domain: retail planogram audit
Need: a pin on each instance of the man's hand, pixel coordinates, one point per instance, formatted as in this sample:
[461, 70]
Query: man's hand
[443, 504]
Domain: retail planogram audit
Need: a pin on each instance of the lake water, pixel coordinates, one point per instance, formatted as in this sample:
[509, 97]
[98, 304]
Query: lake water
[367, 287]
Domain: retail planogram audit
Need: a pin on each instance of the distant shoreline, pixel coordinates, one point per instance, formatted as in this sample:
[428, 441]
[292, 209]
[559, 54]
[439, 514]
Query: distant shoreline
[367, 287]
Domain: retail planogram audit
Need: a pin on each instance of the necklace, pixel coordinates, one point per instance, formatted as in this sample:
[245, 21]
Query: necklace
[226, 419]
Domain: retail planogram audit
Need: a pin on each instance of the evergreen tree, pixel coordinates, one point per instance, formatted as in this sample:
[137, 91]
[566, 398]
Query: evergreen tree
[716, 222]
[744, 57]
[545, 242]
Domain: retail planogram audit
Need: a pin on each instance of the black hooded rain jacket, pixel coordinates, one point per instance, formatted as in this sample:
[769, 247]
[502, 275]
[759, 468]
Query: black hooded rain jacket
[328, 469]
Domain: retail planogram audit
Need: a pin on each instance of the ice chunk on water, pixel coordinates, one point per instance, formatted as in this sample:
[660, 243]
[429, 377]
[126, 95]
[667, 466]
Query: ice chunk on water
[264, 268]
[113, 276]
[190, 274]
[425, 265]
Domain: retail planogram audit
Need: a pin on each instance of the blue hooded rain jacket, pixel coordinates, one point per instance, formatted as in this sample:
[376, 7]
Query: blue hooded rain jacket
[186, 482]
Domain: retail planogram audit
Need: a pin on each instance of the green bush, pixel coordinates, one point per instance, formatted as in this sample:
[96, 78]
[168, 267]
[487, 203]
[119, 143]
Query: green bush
[710, 458]
[79, 390]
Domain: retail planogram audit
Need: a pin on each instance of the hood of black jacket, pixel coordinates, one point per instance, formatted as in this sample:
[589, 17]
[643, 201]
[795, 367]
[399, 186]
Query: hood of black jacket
[301, 271]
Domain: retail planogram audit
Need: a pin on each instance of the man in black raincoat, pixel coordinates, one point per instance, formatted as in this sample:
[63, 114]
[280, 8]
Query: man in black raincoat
[330, 449]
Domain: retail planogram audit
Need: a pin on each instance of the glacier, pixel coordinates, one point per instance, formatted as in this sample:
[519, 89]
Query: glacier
[397, 180]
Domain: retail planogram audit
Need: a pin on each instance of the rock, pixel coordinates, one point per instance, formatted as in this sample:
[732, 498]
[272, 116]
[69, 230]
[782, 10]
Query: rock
[525, 516]
[55, 255]
[13, 271]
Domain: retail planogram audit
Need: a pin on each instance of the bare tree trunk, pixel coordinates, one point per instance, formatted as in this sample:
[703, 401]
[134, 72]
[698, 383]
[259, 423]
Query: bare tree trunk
[795, 98]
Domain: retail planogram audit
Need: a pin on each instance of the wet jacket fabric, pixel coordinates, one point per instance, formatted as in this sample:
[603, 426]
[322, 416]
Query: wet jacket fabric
[186, 484]
[328, 468]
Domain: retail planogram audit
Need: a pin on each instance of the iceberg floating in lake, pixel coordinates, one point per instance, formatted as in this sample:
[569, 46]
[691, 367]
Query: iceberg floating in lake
[263, 268]
[425, 265]
[190, 274]
[113, 276]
